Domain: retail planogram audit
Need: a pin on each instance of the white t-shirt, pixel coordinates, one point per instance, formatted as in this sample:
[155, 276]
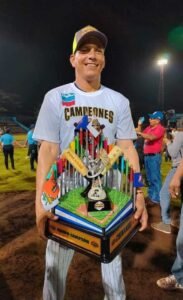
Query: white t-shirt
[65, 106]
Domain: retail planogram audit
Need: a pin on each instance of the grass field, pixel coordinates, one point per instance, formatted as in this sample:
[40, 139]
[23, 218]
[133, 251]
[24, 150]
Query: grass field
[20, 179]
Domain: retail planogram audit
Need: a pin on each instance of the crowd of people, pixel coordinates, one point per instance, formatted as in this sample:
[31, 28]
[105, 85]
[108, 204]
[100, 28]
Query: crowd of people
[88, 60]
[156, 141]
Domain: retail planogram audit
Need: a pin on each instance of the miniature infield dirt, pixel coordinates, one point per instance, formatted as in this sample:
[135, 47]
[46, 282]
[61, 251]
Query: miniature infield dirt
[146, 258]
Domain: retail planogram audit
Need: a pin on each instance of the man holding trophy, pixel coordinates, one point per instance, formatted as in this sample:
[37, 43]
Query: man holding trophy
[61, 111]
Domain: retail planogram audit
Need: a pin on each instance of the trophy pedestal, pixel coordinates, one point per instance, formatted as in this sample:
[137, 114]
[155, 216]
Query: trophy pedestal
[103, 246]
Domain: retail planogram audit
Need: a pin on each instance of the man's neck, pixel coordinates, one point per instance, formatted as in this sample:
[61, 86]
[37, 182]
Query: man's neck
[87, 86]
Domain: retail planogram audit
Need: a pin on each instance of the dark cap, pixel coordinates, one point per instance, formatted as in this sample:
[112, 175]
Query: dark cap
[32, 126]
[84, 34]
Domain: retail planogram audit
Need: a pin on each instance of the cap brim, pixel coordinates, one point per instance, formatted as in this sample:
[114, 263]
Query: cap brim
[151, 116]
[102, 38]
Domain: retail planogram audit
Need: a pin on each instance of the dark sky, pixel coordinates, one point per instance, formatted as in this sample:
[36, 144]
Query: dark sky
[36, 38]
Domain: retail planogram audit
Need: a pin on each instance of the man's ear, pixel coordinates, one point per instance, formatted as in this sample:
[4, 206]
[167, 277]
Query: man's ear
[103, 65]
[72, 60]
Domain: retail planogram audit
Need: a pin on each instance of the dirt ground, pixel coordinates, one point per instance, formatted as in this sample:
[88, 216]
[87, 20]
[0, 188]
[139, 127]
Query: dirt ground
[146, 258]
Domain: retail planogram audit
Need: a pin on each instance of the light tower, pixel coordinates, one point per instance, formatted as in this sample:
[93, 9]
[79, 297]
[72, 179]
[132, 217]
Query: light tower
[161, 63]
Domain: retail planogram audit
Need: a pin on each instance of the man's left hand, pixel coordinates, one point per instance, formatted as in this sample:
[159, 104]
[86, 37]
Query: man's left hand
[141, 212]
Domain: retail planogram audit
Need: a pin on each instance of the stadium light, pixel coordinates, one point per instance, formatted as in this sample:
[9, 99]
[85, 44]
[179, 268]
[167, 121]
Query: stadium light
[162, 62]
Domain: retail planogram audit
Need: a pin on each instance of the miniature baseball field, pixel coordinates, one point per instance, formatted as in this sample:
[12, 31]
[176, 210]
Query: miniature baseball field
[73, 202]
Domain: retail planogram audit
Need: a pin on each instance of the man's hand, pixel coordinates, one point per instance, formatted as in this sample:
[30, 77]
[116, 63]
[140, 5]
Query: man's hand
[141, 212]
[174, 187]
[41, 220]
[175, 183]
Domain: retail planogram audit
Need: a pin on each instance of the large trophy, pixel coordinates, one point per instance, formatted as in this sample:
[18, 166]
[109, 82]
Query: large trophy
[91, 188]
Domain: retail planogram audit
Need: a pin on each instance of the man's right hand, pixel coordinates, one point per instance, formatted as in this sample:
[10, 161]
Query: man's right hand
[41, 220]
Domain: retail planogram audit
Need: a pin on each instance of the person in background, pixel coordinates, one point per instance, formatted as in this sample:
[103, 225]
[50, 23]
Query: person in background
[32, 147]
[139, 145]
[170, 137]
[175, 280]
[175, 150]
[174, 131]
[62, 108]
[153, 144]
[1, 131]
[7, 142]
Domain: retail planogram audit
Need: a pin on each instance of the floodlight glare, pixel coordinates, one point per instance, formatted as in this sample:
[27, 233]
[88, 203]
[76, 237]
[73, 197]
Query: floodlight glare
[162, 61]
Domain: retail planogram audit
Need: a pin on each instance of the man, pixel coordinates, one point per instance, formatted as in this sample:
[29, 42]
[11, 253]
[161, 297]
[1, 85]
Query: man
[62, 108]
[175, 150]
[153, 135]
[175, 280]
[32, 147]
[8, 141]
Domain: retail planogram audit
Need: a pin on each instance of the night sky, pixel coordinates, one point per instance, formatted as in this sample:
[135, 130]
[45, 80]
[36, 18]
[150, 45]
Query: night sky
[36, 40]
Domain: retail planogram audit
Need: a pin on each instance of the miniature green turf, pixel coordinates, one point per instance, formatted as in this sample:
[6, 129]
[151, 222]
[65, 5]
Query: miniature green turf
[73, 200]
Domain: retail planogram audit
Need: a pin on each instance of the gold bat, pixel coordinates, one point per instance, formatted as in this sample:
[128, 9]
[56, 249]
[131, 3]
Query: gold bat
[113, 155]
[75, 161]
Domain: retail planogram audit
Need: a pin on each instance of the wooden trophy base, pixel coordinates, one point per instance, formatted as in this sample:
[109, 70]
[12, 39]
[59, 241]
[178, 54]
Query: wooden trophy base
[104, 246]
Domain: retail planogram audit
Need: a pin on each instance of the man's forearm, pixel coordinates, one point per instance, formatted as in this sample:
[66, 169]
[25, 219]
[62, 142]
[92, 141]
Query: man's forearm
[147, 136]
[130, 153]
[179, 171]
[139, 128]
[47, 155]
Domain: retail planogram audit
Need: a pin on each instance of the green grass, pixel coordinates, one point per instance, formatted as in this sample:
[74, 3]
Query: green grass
[20, 179]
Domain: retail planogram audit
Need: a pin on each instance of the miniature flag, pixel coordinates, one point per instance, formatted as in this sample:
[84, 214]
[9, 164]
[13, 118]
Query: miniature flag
[51, 190]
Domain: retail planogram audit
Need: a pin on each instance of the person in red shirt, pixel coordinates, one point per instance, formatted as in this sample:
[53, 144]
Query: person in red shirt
[153, 144]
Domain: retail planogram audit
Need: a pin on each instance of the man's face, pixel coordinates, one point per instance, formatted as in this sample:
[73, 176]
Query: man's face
[89, 61]
[154, 122]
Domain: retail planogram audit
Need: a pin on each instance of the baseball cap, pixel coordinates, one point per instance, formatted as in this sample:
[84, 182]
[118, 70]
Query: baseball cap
[32, 126]
[85, 34]
[156, 115]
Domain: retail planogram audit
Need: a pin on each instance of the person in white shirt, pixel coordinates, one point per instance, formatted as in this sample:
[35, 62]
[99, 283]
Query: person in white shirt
[62, 108]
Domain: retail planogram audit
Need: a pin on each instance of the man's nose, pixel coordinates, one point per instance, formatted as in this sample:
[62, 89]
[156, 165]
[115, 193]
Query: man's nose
[92, 53]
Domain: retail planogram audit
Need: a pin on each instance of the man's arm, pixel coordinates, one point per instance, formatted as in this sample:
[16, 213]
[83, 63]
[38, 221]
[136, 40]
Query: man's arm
[175, 146]
[48, 153]
[131, 154]
[157, 133]
[147, 136]
[174, 187]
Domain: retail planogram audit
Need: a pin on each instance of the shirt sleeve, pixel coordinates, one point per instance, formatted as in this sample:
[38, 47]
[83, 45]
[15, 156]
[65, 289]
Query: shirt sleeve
[175, 147]
[47, 125]
[125, 126]
[159, 132]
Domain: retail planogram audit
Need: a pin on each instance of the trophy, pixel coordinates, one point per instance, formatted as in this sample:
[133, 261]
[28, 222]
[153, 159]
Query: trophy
[92, 189]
